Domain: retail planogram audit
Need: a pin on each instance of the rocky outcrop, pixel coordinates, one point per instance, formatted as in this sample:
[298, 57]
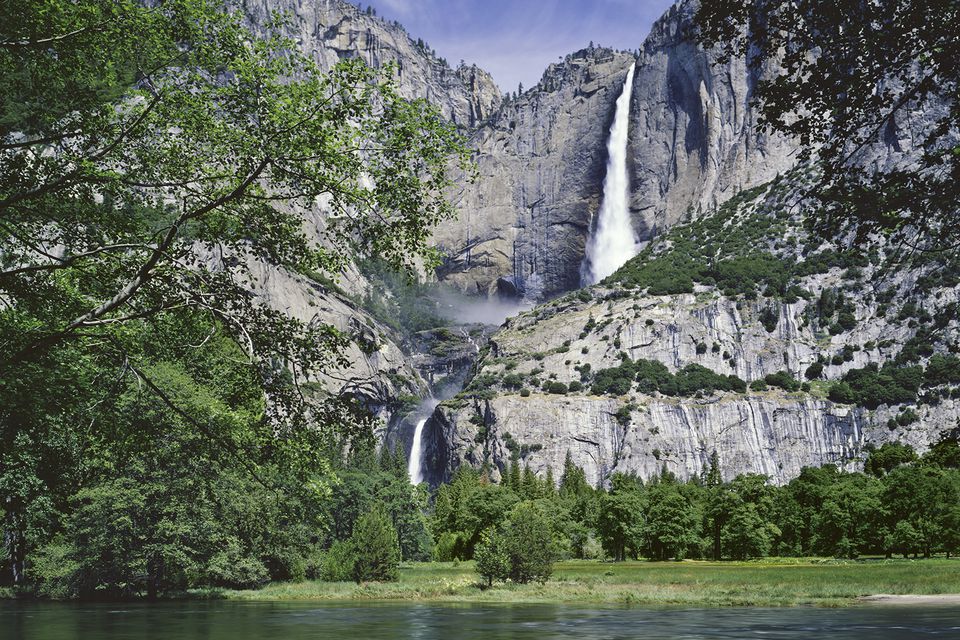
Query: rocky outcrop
[330, 30]
[771, 433]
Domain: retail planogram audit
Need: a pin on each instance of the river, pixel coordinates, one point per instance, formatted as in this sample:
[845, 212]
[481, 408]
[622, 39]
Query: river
[299, 621]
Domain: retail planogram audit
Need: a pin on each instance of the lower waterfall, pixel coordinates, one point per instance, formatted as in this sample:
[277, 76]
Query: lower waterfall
[415, 462]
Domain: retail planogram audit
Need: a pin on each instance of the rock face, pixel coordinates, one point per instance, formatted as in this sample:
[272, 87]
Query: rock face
[767, 430]
[523, 224]
[693, 132]
[771, 432]
[692, 144]
[380, 371]
[331, 30]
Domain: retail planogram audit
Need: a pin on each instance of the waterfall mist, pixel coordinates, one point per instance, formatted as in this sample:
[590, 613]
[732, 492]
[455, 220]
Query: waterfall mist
[613, 241]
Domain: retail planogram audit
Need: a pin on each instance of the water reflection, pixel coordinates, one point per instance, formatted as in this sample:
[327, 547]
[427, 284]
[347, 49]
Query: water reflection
[242, 621]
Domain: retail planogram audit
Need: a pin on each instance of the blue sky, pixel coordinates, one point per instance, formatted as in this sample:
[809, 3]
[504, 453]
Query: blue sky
[516, 39]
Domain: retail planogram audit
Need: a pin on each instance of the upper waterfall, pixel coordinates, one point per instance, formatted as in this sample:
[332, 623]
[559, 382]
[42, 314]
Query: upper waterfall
[613, 241]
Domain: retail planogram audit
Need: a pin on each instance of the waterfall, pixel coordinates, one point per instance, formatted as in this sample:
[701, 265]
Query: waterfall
[613, 241]
[415, 466]
[415, 462]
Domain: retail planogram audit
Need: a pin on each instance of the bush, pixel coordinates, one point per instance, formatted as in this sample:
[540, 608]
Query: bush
[758, 385]
[513, 381]
[814, 371]
[554, 387]
[769, 318]
[53, 568]
[575, 386]
[842, 393]
[492, 559]
[872, 386]
[230, 568]
[524, 393]
[942, 369]
[782, 379]
[907, 418]
[337, 565]
[446, 547]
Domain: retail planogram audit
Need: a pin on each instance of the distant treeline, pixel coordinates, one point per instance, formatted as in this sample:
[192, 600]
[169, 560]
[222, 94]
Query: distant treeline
[154, 527]
[903, 504]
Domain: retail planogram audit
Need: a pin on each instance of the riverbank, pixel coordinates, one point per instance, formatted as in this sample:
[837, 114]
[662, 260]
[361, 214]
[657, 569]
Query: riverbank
[777, 583]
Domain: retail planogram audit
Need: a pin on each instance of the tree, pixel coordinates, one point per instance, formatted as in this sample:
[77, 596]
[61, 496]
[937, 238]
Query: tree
[620, 519]
[150, 155]
[889, 456]
[486, 508]
[746, 535]
[841, 76]
[529, 544]
[921, 498]
[491, 557]
[847, 522]
[670, 529]
[376, 554]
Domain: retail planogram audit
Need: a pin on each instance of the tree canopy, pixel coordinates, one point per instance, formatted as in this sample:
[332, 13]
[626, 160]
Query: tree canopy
[844, 75]
[158, 161]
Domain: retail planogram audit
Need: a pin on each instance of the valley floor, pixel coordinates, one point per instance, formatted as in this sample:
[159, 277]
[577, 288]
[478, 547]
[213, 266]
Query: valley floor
[786, 582]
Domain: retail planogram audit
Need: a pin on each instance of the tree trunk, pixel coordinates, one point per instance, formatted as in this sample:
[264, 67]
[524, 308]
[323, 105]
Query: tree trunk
[14, 543]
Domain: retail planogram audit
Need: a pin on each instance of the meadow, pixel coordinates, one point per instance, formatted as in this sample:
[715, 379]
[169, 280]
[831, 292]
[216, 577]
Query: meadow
[771, 582]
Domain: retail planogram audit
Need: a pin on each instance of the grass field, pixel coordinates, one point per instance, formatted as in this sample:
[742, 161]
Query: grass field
[786, 582]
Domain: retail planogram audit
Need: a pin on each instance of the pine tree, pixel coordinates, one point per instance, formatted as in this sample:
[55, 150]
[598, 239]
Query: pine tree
[550, 486]
[375, 548]
[516, 483]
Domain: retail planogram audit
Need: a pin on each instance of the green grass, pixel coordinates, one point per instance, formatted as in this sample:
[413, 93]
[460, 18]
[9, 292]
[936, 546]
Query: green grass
[787, 582]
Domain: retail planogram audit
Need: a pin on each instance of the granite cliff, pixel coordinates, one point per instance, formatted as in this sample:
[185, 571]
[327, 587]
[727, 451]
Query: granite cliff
[692, 144]
[651, 368]
[696, 161]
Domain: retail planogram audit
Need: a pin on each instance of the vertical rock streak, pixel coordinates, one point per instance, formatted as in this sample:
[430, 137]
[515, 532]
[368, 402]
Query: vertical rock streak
[613, 241]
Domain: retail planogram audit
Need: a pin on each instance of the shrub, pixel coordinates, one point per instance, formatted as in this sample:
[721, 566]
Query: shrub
[513, 381]
[846, 320]
[446, 547]
[531, 557]
[782, 379]
[758, 385]
[575, 386]
[907, 418]
[814, 371]
[338, 562]
[524, 393]
[842, 393]
[555, 387]
[942, 369]
[769, 318]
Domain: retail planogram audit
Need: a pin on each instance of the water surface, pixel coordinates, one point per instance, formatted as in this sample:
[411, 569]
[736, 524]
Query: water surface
[295, 621]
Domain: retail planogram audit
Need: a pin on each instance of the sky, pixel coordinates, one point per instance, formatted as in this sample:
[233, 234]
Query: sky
[515, 40]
